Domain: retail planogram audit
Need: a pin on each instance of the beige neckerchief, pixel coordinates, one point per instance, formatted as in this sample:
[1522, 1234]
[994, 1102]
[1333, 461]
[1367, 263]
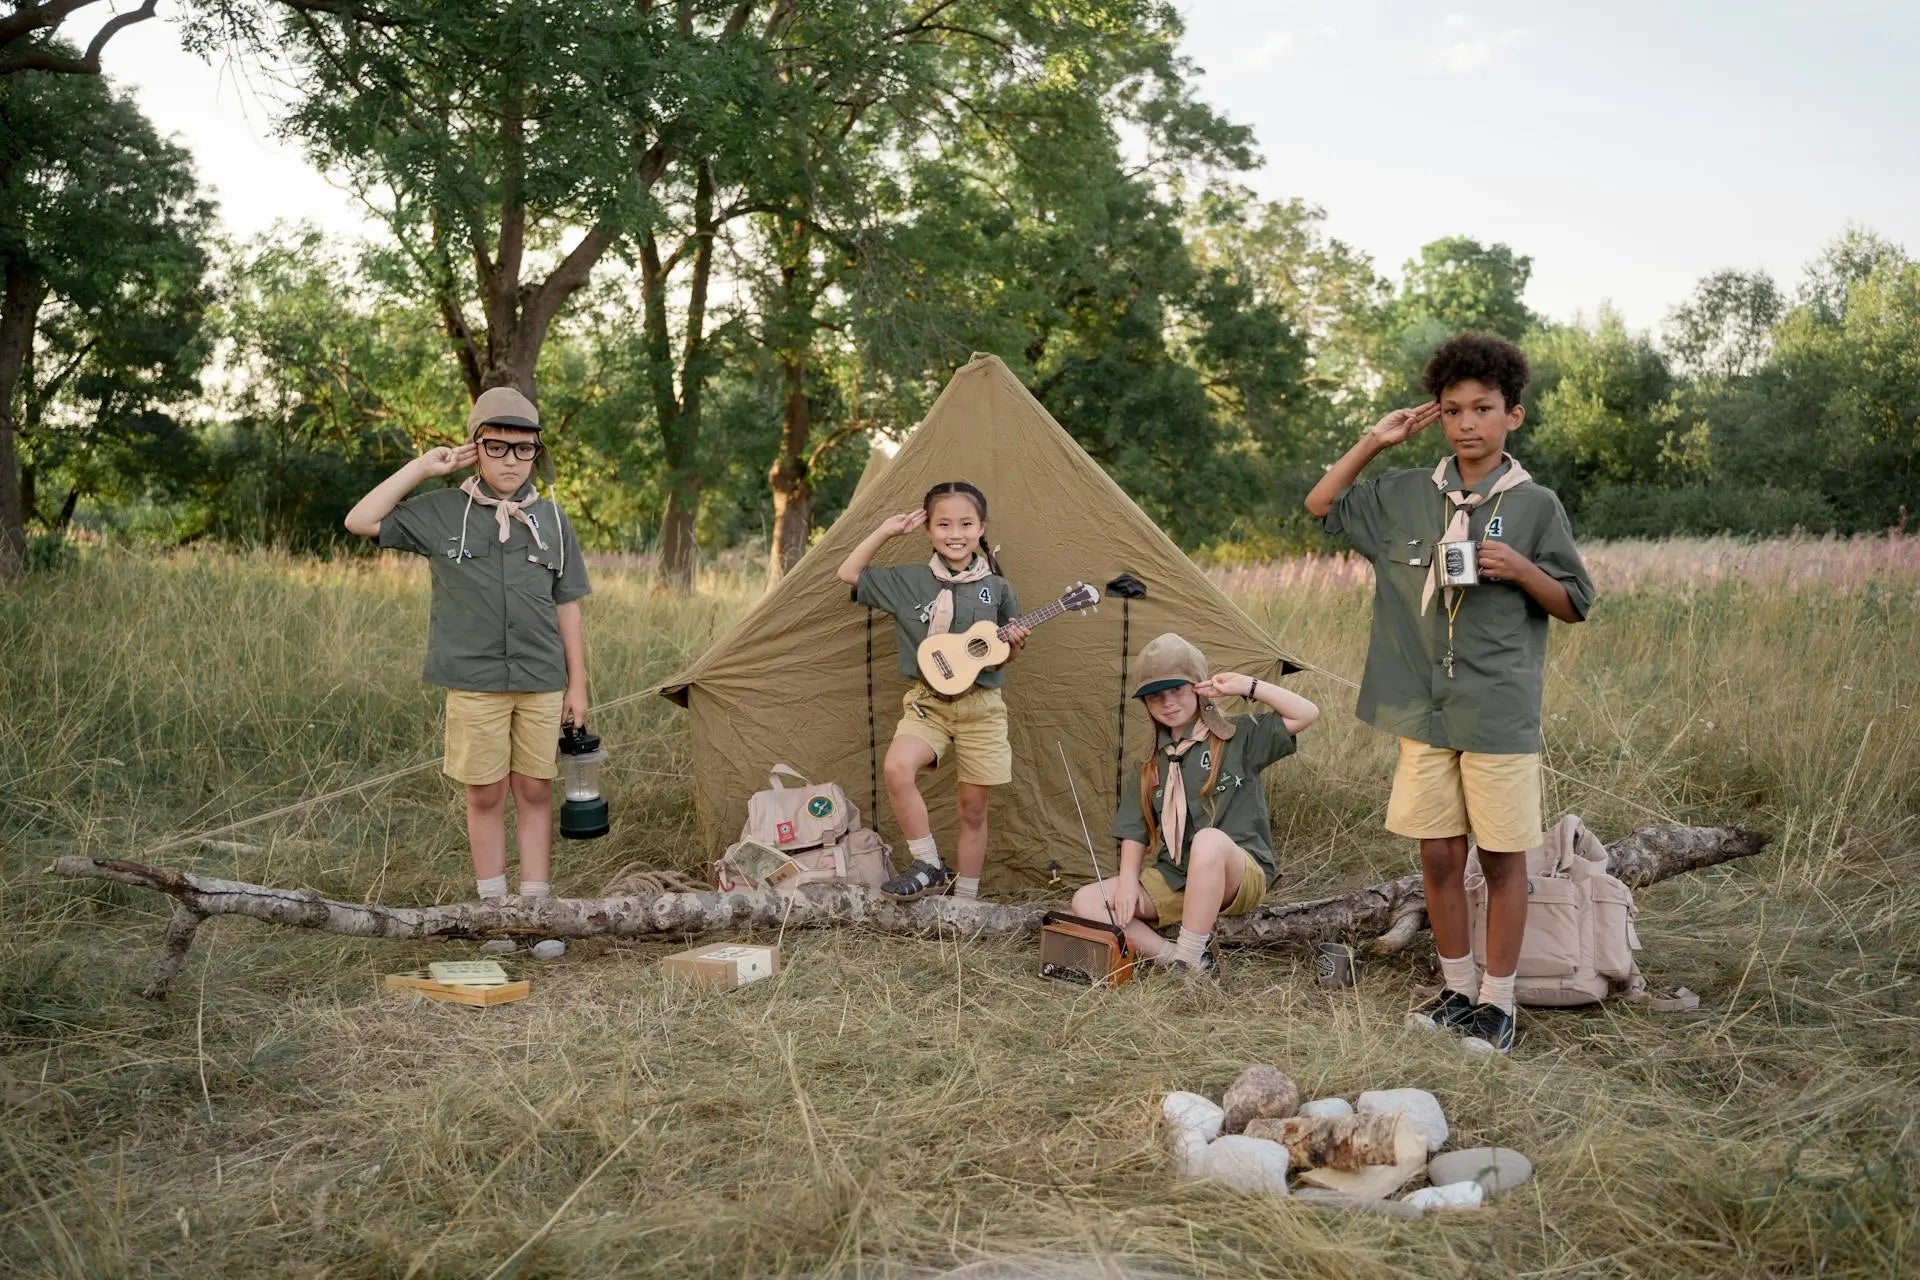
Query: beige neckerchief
[1459, 526]
[1173, 801]
[505, 509]
[941, 619]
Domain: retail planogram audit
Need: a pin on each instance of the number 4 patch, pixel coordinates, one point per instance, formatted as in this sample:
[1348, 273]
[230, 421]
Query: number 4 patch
[986, 595]
[1493, 526]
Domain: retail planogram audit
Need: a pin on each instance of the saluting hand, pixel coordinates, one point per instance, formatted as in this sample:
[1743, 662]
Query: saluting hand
[1404, 424]
[905, 522]
[1225, 684]
[448, 459]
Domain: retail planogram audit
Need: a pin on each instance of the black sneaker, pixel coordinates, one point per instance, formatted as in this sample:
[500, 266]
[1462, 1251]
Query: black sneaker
[1448, 1011]
[1489, 1028]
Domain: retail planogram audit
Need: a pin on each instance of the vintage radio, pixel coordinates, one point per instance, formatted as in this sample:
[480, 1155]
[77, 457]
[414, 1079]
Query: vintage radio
[1075, 949]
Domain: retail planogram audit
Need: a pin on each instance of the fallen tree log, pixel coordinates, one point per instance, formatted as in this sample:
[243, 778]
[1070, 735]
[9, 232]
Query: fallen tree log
[1389, 914]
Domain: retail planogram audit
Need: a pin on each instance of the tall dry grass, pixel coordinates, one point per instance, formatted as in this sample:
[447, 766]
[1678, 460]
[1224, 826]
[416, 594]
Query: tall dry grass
[884, 1106]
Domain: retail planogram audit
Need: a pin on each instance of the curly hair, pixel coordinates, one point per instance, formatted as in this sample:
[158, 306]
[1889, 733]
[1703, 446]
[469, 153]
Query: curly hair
[1482, 358]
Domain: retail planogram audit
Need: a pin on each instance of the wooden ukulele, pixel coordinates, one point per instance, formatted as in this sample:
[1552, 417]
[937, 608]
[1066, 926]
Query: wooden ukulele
[951, 661]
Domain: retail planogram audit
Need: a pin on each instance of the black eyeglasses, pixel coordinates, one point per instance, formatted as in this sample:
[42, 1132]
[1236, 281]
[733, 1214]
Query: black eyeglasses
[525, 450]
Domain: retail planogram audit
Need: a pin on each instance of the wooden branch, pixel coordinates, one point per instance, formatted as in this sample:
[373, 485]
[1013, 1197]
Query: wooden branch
[1643, 857]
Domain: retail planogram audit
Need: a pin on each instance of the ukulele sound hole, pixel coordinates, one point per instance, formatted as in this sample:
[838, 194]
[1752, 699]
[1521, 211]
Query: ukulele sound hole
[977, 647]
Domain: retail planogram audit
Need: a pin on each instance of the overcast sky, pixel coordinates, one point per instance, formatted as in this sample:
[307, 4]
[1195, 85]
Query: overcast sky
[1628, 147]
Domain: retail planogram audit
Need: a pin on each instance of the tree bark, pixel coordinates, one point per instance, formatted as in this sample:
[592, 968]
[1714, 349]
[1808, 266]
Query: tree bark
[789, 477]
[1641, 858]
[1334, 1142]
[19, 311]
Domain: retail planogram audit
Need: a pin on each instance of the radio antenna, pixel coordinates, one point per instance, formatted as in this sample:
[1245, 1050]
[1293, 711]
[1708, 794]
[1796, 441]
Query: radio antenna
[1088, 835]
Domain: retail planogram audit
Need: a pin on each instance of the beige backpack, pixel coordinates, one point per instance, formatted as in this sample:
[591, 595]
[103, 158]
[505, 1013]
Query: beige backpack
[1580, 938]
[802, 835]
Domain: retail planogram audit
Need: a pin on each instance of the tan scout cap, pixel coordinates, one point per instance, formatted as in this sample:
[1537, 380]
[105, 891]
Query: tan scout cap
[1170, 661]
[504, 407]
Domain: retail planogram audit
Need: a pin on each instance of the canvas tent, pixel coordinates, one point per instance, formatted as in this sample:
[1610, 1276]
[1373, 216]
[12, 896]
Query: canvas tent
[790, 682]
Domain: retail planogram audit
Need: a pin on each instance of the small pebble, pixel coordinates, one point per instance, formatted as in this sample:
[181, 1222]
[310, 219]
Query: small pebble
[1327, 1108]
[549, 949]
[1496, 1168]
[1454, 1195]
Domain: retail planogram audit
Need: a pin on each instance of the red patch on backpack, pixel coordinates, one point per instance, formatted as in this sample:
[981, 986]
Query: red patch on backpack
[783, 833]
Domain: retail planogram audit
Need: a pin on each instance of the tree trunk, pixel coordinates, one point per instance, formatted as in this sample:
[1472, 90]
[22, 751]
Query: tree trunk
[1641, 858]
[19, 309]
[789, 477]
[792, 488]
[679, 414]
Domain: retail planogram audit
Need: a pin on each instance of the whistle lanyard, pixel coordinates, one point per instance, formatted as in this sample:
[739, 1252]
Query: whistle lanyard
[1459, 596]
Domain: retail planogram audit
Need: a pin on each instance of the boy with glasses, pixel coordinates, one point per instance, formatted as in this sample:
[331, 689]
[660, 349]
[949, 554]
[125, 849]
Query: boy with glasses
[504, 634]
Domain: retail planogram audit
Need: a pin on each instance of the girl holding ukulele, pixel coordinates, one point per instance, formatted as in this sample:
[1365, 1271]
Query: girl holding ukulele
[959, 585]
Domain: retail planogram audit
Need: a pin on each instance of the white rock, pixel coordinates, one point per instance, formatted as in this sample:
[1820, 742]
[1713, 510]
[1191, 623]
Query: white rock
[1498, 1169]
[1327, 1108]
[1455, 1195]
[1420, 1108]
[1245, 1164]
[1187, 1148]
[1191, 1111]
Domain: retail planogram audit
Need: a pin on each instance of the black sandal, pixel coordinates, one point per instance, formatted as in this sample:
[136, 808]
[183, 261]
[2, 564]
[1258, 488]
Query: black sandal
[916, 881]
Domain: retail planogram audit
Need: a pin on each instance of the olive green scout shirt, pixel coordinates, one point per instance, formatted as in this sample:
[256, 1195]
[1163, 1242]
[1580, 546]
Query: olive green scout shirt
[907, 591]
[491, 623]
[1492, 702]
[1238, 806]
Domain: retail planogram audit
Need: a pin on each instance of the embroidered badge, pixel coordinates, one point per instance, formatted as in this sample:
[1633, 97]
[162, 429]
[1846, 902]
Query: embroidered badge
[986, 595]
[820, 807]
[1493, 526]
[1206, 759]
[783, 833]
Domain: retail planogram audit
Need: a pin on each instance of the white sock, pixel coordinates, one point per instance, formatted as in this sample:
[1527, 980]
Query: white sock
[1497, 992]
[491, 887]
[966, 886]
[924, 850]
[1461, 976]
[534, 888]
[1190, 946]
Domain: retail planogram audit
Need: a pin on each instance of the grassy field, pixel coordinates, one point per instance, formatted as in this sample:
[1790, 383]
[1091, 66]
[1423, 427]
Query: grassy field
[887, 1107]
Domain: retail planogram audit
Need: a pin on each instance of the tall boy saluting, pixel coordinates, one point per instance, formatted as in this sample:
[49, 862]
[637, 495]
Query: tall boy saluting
[504, 634]
[1456, 673]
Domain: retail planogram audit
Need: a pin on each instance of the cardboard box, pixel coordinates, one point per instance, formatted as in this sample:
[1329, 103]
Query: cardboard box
[725, 965]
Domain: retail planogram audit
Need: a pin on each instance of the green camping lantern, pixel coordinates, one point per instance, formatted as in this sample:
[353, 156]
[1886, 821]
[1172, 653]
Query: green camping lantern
[583, 814]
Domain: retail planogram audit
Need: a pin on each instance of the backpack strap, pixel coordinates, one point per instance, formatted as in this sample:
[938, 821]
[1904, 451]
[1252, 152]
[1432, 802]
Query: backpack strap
[786, 770]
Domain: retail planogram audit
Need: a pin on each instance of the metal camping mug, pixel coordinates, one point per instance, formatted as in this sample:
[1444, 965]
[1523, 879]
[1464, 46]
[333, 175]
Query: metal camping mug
[1334, 960]
[1459, 564]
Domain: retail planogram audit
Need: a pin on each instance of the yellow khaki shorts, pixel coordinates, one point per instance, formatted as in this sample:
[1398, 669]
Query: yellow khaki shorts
[1439, 792]
[490, 735]
[973, 725]
[1171, 903]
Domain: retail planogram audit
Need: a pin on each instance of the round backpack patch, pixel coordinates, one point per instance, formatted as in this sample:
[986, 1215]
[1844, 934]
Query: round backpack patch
[820, 807]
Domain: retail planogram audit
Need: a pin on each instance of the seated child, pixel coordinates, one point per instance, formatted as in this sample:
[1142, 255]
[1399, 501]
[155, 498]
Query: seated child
[1200, 804]
[504, 635]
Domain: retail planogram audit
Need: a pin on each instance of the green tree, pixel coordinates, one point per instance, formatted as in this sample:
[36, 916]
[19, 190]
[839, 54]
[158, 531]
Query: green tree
[1606, 412]
[1463, 284]
[101, 234]
[1725, 330]
[331, 380]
